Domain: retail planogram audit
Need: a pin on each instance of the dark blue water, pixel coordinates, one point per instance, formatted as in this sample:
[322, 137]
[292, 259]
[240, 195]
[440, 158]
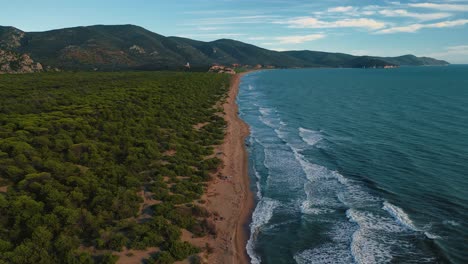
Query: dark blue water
[358, 165]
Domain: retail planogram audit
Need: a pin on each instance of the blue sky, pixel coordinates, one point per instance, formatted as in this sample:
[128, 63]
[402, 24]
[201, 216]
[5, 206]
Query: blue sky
[437, 28]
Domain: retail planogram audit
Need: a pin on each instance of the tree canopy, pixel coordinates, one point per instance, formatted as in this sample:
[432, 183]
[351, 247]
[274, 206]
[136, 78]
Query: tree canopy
[76, 149]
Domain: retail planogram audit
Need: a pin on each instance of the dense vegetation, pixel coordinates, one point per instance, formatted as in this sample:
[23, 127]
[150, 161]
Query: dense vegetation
[79, 150]
[132, 47]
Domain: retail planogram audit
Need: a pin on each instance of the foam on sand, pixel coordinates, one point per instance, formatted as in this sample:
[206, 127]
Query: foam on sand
[260, 217]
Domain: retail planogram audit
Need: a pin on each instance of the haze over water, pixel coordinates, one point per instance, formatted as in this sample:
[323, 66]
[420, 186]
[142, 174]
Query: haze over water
[358, 166]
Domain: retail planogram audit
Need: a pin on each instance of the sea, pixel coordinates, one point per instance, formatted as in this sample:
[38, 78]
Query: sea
[358, 165]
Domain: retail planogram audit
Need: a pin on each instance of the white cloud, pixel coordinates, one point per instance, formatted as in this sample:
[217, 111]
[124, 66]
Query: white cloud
[372, 7]
[310, 22]
[453, 23]
[351, 10]
[209, 28]
[420, 16]
[454, 54]
[416, 27]
[458, 49]
[256, 38]
[294, 39]
[360, 52]
[441, 7]
[299, 39]
[279, 49]
[341, 9]
[408, 29]
[368, 13]
[212, 35]
[228, 20]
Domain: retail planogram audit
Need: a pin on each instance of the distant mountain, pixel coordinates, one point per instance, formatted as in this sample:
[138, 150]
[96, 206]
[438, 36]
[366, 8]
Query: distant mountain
[414, 61]
[121, 47]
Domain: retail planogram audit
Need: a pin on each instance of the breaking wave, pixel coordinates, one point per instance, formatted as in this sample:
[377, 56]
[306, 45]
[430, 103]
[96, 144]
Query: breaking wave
[260, 217]
[311, 137]
[399, 215]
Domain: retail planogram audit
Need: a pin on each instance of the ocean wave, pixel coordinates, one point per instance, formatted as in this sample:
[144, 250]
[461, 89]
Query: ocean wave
[310, 208]
[431, 236]
[399, 215]
[330, 187]
[379, 236]
[310, 137]
[376, 236]
[265, 111]
[259, 187]
[451, 222]
[336, 252]
[267, 121]
[366, 250]
[325, 254]
[403, 219]
[269, 117]
[370, 221]
[260, 217]
[335, 184]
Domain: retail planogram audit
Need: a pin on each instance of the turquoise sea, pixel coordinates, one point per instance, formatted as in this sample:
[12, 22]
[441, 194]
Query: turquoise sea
[358, 165]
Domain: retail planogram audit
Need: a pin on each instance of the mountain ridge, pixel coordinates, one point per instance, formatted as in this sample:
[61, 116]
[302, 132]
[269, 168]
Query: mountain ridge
[129, 47]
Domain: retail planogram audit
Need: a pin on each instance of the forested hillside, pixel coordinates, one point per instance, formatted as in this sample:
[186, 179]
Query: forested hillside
[123, 47]
[80, 151]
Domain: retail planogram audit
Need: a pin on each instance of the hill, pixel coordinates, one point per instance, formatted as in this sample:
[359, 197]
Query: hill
[414, 61]
[119, 47]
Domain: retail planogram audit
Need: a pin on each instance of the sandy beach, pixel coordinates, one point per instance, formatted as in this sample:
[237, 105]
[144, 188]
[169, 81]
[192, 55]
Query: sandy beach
[228, 197]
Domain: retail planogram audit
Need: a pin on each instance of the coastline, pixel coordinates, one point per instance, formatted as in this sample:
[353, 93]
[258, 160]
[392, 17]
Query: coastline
[228, 197]
[247, 199]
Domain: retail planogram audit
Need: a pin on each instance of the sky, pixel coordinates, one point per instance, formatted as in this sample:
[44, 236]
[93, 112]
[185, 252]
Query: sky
[435, 28]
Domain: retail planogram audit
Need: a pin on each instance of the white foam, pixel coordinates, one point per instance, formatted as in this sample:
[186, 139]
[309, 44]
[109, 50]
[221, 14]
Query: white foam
[451, 222]
[267, 121]
[310, 137]
[308, 207]
[372, 222]
[260, 217]
[336, 252]
[399, 215]
[431, 236]
[331, 184]
[366, 250]
[374, 235]
[325, 254]
[259, 190]
[372, 242]
[265, 111]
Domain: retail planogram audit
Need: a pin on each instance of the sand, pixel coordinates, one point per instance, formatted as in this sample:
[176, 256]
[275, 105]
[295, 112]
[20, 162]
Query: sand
[229, 198]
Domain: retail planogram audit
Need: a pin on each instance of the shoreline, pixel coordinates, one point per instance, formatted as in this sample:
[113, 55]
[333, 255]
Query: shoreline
[242, 231]
[228, 197]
